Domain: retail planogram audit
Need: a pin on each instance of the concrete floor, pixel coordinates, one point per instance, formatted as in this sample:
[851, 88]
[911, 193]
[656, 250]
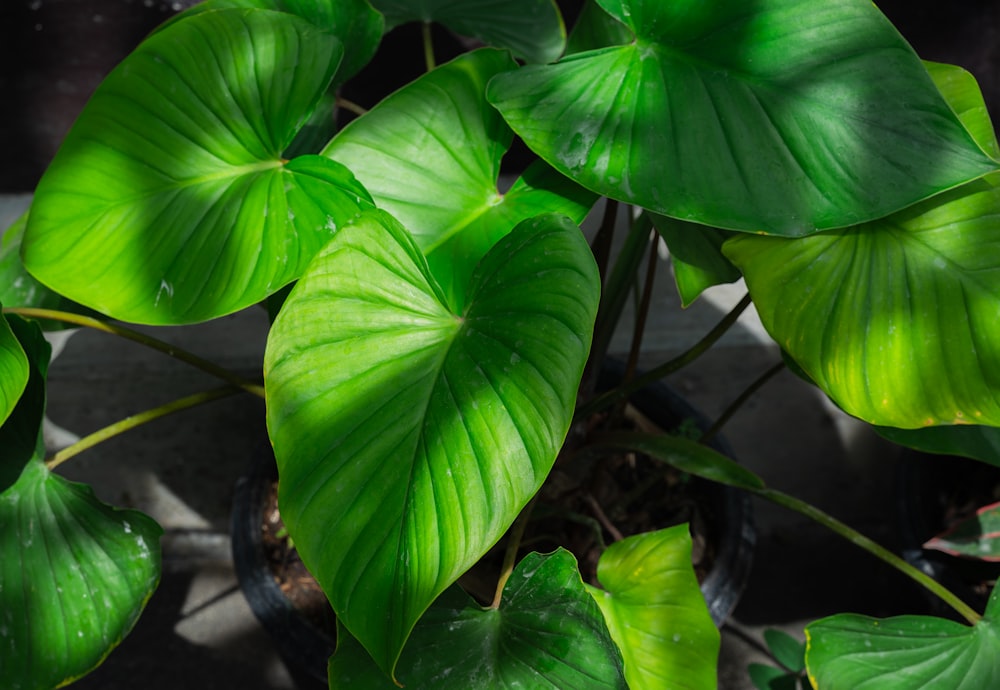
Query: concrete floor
[198, 631]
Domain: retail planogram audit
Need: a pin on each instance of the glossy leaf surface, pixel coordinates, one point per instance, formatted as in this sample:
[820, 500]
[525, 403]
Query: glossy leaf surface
[169, 201]
[410, 436]
[75, 573]
[894, 319]
[530, 29]
[977, 536]
[547, 634]
[656, 613]
[851, 652]
[430, 155]
[354, 22]
[776, 116]
[13, 370]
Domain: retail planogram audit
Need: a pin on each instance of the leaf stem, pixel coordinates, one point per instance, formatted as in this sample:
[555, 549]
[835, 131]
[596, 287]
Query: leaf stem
[872, 547]
[510, 554]
[425, 31]
[629, 387]
[735, 406]
[135, 420]
[350, 106]
[142, 339]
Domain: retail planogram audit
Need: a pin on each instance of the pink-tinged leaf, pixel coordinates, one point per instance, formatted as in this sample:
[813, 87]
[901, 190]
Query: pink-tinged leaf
[977, 536]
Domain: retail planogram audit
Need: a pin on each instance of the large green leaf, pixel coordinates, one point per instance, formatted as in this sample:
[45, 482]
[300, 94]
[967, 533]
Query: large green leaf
[851, 652]
[358, 26]
[530, 29]
[169, 201]
[776, 116]
[443, 187]
[546, 634]
[13, 370]
[74, 577]
[895, 319]
[409, 436]
[656, 612]
[74, 573]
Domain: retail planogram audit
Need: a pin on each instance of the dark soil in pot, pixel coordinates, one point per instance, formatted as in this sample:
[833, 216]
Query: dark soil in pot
[934, 493]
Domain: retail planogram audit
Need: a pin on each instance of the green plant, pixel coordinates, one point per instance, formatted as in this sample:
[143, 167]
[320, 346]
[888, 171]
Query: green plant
[423, 374]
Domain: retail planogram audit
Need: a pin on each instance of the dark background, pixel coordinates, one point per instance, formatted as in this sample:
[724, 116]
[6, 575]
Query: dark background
[55, 52]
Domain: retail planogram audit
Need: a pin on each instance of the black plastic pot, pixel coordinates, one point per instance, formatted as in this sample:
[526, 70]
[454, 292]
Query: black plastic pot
[305, 648]
[928, 488]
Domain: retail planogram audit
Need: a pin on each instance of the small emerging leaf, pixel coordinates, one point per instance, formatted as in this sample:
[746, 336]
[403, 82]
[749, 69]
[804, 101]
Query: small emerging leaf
[696, 254]
[786, 650]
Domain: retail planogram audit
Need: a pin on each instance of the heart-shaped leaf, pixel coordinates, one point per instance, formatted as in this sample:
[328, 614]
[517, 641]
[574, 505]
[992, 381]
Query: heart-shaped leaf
[977, 536]
[409, 436]
[894, 319]
[851, 652]
[13, 370]
[74, 577]
[74, 573]
[656, 613]
[774, 116]
[530, 29]
[404, 152]
[169, 201]
[547, 634]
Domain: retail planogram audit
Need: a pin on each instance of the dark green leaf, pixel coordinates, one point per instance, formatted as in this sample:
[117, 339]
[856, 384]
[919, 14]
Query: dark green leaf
[21, 432]
[771, 678]
[74, 576]
[656, 612]
[595, 28]
[169, 201]
[776, 116]
[696, 253]
[851, 652]
[686, 455]
[788, 651]
[968, 440]
[410, 436]
[547, 634]
[530, 29]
